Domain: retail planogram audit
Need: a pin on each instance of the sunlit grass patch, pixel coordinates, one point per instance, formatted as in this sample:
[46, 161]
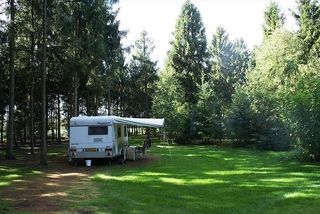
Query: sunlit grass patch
[301, 195]
[208, 179]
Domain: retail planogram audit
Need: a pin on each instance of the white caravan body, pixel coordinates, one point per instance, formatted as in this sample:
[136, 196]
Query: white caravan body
[103, 136]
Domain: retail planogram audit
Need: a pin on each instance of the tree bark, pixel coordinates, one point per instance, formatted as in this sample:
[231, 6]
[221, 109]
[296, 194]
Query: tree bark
[43, 154]
[25, 131]
[59, 121]
[109, 100]
[76, 105]
[52, 121]
[76, 78]
[32, 82]
[2, 124]
[9, 154]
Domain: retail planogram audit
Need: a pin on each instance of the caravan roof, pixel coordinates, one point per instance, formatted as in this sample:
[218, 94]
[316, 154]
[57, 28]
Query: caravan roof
[110, 120]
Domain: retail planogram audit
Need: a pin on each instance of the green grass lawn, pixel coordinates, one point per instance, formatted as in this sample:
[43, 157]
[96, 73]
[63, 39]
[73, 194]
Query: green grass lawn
[177, 179]
[204, 179]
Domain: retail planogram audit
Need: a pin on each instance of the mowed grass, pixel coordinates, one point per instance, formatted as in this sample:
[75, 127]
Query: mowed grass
[181, 179]
[204, 179]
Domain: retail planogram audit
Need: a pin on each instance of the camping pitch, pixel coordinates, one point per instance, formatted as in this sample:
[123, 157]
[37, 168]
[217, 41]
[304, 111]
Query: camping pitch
[103, 136]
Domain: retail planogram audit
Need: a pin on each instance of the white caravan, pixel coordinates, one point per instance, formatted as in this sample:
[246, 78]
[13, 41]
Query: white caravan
[103, 136]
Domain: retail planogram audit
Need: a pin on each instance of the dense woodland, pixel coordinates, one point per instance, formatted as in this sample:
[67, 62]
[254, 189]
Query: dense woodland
[65, 58]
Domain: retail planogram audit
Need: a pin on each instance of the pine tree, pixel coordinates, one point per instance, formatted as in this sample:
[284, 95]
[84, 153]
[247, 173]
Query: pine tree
[273, 19]
[229, 64]
[143, 74]
[169, 102]
[188, 58]
[308, 18]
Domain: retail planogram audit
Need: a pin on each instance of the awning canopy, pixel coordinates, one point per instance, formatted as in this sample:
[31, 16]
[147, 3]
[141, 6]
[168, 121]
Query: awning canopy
[144, 122]
[109, 120]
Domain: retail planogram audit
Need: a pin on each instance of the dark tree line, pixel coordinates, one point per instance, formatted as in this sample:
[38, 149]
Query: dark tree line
[64, 58]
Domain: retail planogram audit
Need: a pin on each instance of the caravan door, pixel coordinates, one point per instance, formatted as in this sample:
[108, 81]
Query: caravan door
[121, 137]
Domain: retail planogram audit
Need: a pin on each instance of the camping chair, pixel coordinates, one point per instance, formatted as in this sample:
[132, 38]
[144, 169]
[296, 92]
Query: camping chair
[142, 149]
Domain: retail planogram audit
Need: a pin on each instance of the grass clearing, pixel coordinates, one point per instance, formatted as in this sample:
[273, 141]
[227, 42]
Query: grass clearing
[189, 179]
[174, 179]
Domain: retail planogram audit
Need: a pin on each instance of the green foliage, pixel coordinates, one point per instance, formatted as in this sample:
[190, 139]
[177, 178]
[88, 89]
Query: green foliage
[169, 102]
[305, 112]
[241, 120]
[143, 75]
[187, 61]
[188, 52]
[207, 123]
[308, 17]
[83, 39]
[229, 64]
[273, 19]
[267, 84]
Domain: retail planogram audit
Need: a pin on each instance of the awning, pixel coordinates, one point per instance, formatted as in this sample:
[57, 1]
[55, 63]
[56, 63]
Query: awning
[109, 120]
[144, 122]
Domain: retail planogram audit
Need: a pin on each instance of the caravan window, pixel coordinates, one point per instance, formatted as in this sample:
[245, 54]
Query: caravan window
[97, 130]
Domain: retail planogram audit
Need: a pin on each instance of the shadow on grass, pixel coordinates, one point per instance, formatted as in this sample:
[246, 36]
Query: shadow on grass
[209, 180]
[182, 179]
[27, 187]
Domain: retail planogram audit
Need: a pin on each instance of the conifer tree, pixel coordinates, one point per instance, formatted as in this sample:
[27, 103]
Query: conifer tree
[273, 18]
[188, 58]
[308, 17]
[143, 74]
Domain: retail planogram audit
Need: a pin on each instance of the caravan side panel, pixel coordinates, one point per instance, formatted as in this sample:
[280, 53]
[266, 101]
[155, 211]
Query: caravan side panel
[90, 142]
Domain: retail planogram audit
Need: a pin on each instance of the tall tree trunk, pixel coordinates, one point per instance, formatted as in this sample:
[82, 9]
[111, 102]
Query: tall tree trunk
[25, 131]
[52, 121]
[76, 78]
[32, 81]
[69, 113]
[2, 127]
[32, 113]
[59, 121]
[146, 94]
[109, 100]
[9, 154]
[95, 105]
[43, 155]
[76, 105]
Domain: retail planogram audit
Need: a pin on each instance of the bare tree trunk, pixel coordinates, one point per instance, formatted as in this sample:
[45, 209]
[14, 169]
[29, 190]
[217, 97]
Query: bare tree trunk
[95, 105]
[59, 121]
[32, 83]
[2, 127]
[109, 100]
[9, 154]
[69, 115]
[43, 155]
[32, 117]
[76, 77]
[76, 105]
[52, 121]
[25, 130]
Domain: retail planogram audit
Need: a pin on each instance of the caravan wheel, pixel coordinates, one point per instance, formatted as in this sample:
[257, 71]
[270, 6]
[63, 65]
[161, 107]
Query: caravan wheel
[74, 162]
